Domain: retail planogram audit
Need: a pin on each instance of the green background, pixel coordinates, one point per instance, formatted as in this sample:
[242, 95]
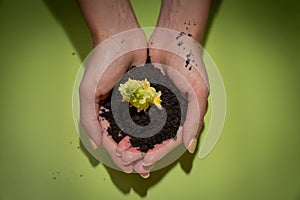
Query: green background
[256, 47]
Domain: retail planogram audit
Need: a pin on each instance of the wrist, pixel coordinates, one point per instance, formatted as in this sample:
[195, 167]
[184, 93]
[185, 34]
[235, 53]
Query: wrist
[107, 17]
[188, 17]
[186, 26]
[107, 30]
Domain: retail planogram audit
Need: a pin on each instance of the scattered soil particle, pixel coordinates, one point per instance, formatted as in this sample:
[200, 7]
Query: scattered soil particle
[180, 35]
[187, 62]
[179, 43]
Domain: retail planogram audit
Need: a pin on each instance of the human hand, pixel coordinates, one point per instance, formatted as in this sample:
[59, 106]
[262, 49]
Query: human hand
[184, 66]
[174, 43]
[123, 44]
[91, 90]
[102, 72]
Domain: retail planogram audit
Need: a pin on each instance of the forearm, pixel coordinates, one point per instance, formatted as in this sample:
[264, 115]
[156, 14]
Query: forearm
[188, 16]
[107, 17]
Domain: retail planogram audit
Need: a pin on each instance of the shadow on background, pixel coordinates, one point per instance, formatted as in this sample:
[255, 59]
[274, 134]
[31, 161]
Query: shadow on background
[68, 14]
[126, 182]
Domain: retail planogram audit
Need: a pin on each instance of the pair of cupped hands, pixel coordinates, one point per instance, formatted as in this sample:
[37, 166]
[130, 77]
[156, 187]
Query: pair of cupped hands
[94, 90]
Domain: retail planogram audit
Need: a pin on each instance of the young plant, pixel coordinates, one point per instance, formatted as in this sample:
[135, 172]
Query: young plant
[139, 94]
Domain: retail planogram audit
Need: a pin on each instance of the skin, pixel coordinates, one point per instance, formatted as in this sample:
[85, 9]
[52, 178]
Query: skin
[102, 27]
[189, 17]
[107, 17]
[179, 15]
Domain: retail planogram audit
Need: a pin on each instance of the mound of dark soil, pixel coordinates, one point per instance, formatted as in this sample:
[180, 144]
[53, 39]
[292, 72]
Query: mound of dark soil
[174, 104]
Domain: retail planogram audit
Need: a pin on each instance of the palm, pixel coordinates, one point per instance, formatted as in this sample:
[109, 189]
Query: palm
[192, 87]
[101, 75]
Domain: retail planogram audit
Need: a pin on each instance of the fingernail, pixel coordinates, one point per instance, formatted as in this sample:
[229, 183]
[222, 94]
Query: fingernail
[146, 175]
[93, 144]
[129, 171]
[124, 163]
[192, 145]
[148, 164]
[118, 154]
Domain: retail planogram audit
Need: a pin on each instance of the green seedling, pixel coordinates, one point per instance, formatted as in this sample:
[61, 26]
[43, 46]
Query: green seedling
[139, 94]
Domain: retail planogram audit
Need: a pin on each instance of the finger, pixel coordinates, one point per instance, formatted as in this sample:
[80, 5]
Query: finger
[110, 147]
[160, 150]
[89, 116]
[131, 155]
[194, 120]
[93, 130]
[123, 145]
[142, 170]
[140, 57]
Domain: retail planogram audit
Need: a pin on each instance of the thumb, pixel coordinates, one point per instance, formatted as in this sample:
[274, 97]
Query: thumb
[194, 120]
[89, 115]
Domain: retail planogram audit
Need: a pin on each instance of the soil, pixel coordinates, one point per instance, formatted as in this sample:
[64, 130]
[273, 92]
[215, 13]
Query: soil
[173, 103]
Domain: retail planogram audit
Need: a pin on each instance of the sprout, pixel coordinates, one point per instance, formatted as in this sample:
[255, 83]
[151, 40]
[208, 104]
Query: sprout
[139, 94]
